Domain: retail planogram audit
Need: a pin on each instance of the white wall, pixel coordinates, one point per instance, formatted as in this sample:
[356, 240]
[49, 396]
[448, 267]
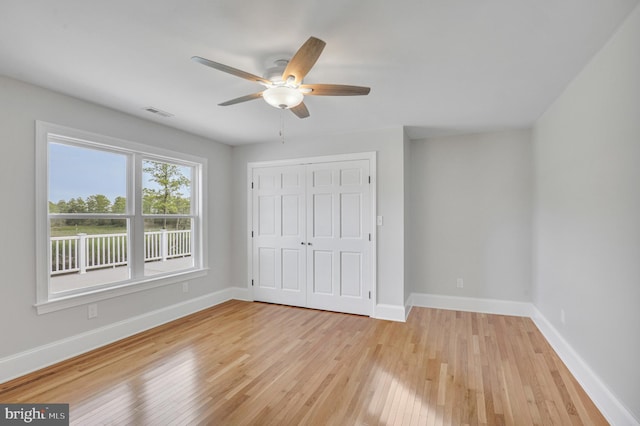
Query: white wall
[390, 202]
[471, 215]
[587, 214]
[20, 105]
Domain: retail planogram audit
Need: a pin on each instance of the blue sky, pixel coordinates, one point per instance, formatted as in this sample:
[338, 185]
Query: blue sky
[80, 172]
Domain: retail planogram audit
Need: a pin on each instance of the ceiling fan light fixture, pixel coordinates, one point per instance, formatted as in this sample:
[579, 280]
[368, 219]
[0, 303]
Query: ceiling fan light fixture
[283, 81]
[282, 97]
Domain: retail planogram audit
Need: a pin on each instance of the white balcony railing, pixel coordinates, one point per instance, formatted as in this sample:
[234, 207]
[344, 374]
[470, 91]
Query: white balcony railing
[82, 252]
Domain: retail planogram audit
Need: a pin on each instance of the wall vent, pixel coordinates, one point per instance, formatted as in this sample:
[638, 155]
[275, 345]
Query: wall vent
[159, 112]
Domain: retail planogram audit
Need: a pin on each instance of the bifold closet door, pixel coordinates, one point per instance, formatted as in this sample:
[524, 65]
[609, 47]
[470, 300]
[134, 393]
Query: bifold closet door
[279, 231]
[338, 237]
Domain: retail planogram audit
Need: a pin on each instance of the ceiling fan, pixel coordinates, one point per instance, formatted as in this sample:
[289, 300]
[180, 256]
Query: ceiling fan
[284, 88]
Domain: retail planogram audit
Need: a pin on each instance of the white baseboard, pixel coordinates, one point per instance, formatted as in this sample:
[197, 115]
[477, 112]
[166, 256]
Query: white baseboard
[240, 293]
[34, 359]
[613, 410]
[390, 312]
[470, 304]
[610, 407]
[408, 304]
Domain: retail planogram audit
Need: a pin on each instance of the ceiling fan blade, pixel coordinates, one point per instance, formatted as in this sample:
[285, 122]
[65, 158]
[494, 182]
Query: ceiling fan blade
[304, 59]
[242, 99]
[334, 90]
[230, 70]
[300, 110]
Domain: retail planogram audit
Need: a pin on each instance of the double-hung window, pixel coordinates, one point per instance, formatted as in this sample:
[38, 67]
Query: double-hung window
[113, 217]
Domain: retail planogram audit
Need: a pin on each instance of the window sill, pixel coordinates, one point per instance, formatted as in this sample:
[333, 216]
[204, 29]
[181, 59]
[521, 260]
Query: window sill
[58, 304]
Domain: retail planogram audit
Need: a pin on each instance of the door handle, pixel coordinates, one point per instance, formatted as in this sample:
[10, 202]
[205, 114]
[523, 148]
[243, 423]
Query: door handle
[308, 244]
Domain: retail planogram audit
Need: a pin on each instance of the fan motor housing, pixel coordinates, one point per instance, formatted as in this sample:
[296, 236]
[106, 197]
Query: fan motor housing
[274, 73]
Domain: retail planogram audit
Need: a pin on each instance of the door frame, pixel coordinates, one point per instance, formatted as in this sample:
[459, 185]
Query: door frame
[371, 156]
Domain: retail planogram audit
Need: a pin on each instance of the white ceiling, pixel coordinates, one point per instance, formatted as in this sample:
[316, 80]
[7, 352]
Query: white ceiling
[435, 66]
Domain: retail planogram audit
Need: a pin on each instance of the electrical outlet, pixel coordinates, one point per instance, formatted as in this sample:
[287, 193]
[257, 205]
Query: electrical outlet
[563, 318]
[379, 221]
[185, 287]
[459, 283]
[92, 310]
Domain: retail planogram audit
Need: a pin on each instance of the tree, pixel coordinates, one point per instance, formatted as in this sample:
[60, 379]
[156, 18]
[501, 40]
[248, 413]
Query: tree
[98, 204]
[167, 199]
[76, 205]
[61, 207]
[119, 205]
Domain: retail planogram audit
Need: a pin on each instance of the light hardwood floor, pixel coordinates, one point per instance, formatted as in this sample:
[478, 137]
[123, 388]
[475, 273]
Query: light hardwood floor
[254, 363]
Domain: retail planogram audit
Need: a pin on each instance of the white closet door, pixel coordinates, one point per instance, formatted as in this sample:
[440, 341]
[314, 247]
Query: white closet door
[279, 239]
[339, 246]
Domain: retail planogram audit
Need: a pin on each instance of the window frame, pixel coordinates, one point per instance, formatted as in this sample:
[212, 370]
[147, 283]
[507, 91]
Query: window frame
[136, 153]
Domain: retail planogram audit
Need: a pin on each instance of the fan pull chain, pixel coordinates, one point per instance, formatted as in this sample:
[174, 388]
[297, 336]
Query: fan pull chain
[282, 125]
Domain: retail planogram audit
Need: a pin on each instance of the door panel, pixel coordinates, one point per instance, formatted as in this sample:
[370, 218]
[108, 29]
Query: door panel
[267, 267]
[291, 215]
[351, 274]
[322, 272]
[322, 178]
[279, 257]
[267, 214]
[351, 177]
[350, 215]
[323, 215]
[266, 181]
[291, 269]
[339, 222]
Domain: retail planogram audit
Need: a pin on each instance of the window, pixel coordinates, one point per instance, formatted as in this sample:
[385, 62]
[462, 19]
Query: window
[113, 217]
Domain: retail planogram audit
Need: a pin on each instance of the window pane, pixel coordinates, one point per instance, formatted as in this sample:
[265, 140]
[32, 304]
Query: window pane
[85, 180]
[87, 253]
[167, 245]
[166, 188]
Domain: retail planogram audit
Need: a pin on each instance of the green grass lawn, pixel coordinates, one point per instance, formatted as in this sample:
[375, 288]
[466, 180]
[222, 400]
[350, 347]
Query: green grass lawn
[67, 230]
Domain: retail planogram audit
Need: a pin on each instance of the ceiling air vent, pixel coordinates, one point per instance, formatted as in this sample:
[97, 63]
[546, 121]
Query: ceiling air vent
[159, 112]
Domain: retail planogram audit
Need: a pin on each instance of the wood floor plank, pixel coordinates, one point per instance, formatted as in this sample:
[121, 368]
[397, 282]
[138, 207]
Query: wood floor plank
[243, 363]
